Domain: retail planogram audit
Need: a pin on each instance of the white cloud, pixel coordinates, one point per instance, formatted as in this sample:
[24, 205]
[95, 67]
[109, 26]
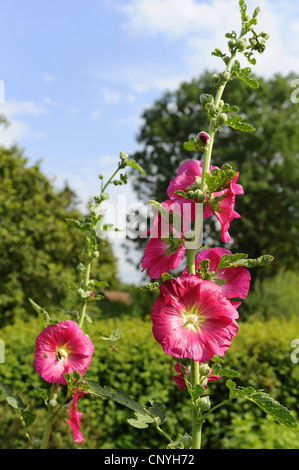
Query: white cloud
[19, 129]
[48, 78]
[18, 108]
[201, 27]
[111, 96]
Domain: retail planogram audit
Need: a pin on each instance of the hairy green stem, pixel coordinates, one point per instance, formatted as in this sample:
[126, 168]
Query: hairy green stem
[49, 420]
[85, 287]
[195, 377]
[212, 128]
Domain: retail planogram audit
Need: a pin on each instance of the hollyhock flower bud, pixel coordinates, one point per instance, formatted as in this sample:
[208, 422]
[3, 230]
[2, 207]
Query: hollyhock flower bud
[204, 403]
[193, 319]
[61, 349]
[204, 137]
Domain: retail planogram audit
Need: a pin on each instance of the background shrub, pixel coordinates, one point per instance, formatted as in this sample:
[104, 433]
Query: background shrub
[260, 352]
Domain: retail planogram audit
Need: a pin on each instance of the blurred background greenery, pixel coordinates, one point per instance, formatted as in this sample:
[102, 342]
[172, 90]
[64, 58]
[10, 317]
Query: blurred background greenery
[39, 253]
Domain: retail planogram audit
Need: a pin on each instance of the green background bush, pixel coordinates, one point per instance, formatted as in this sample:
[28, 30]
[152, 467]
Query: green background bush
[260, 352]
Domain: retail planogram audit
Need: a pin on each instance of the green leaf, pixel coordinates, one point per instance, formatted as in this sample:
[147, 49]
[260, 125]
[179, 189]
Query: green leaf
[224, 372]
[190, 145]
[198, 391]
[115, 335]
[101, 284]
[240, 259]
[166, 276]
[151, 286]
[219, 179]
[266, 403]
[236, 122]
[227, 260]
[141, 422]
[17, 403]
[132, 163]
[28, 417]
[204, 268]
[43, 314]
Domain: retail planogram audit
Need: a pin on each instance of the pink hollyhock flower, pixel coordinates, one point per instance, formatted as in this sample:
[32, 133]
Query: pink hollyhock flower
[180, 378]
[61, 349]
[192, 318]
[75, 418]
[234, 282]
[165, 249]
[189, 173]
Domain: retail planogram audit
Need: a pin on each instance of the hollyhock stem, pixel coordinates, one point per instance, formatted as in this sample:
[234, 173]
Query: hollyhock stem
[212, 129]
[49, 420]
[85, 287]
[196, 424]
[195, 377]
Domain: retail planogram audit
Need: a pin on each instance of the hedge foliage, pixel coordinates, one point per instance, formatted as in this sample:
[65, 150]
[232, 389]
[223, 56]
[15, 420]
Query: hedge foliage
[137, 365]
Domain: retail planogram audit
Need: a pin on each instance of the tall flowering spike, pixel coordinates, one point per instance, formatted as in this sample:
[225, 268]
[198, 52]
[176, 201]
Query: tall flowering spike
[193, 319]
[61, 349]
[234, 282]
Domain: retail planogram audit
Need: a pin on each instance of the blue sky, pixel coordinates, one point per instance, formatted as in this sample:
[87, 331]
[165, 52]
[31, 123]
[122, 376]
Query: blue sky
[78, 74]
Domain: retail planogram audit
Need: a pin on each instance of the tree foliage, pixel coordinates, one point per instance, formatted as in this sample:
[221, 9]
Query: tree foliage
[39, 250]
[267, 160]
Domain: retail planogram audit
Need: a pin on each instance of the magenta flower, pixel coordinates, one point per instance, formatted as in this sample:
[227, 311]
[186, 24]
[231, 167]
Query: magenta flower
[234, 282]
[61, 349]
[165, 249]
[192, 318]
[75, 418]
[180, 378]
[221, 203]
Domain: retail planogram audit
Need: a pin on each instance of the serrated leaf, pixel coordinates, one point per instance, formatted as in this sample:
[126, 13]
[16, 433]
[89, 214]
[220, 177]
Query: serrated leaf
[236, 122]
[151, 286]
[102, 284]
[166, 276]
[224, 372]
[217, 181]
[264, 401]
[43, 314]
[272, 407]
[115, 335]
[190, 145]
[154, 412]
[226, 260]
[239, 259]
[133, 164]
[157, 410]
[198, 391]
[28, 417]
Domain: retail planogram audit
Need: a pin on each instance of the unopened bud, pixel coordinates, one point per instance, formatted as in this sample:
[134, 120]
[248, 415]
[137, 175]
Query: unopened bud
[241, 44]
[36, 443]
[204, 403]
[222, 118]
[204, 370]
[53, 403]
[204, 137]
[205, 98]
[101, 176]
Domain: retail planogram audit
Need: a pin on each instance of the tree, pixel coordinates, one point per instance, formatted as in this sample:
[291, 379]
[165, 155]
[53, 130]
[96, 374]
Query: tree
[39, 250]
[266, 159]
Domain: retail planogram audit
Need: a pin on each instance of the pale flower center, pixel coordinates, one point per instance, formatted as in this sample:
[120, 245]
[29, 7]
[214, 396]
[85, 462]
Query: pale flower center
[192, 318]
[61, 354]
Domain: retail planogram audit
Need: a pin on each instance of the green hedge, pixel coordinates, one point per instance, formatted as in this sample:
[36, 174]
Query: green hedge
[260, 352]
